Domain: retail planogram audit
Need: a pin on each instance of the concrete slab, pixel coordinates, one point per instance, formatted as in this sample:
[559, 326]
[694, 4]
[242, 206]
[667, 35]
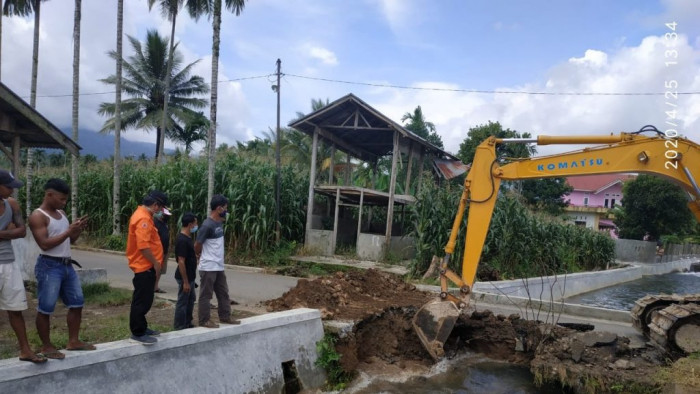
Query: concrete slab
[362, 264]
[235, 359]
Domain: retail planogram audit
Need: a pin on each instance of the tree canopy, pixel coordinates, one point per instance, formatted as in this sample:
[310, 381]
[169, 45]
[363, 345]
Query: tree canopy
[542, 194]
[653, 206]
[421, 127]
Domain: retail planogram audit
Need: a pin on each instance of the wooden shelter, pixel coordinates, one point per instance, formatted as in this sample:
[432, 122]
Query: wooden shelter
[365, 135]
[23, 126]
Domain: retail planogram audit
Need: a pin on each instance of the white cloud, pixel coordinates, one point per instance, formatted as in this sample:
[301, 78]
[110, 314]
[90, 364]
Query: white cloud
[396, 12]
[637, 69]
[324, 55]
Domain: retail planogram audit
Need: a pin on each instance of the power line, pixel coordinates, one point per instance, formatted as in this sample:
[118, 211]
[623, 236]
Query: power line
[113, 92]
[391, 86]
[381, 85]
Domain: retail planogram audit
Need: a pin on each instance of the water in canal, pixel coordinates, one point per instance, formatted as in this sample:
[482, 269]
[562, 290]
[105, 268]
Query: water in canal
[623, 295]
[465, 374]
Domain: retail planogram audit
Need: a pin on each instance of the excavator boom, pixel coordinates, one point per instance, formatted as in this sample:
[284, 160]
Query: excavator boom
[676, 159]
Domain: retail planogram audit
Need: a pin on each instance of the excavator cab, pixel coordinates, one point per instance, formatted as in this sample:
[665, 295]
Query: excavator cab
[671, 157]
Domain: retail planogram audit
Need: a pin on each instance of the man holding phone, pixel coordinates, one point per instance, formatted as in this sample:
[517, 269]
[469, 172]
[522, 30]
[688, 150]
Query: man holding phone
[54, 267]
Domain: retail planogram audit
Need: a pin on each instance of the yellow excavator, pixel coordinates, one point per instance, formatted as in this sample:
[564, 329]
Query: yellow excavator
[670, 321]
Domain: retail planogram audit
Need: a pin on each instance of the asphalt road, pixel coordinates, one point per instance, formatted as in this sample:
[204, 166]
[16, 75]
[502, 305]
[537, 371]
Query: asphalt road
[246, 286]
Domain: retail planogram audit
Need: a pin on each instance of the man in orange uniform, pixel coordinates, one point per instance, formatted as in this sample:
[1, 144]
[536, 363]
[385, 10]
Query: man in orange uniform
[145, 254]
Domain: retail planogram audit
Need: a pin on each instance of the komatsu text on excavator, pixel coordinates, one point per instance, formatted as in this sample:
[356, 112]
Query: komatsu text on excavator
[671, 321]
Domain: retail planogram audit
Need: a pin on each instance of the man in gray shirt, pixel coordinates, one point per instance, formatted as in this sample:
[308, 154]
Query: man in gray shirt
[209, 249]
[13, 297]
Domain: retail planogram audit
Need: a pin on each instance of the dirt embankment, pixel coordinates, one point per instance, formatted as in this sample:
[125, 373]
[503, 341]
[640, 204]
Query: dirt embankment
[382, 305]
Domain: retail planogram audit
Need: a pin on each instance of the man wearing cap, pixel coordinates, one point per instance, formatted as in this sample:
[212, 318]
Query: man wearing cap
[54, 271]
[13, 297]
[144, 252]
[161, 222]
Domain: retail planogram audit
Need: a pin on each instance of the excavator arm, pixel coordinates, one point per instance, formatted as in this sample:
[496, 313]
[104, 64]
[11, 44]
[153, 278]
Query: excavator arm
[677, 159]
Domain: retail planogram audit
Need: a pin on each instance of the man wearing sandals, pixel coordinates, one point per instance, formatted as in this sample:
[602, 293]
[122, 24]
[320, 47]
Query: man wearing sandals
[13, 297]
[54, 271]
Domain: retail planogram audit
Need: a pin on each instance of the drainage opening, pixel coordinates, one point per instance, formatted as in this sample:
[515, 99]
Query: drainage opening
[292, 384]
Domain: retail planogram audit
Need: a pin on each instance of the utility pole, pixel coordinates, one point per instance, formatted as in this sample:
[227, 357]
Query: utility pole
[277, 157]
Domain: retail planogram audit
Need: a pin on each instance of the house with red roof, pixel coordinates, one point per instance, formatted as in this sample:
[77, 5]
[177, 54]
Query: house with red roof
[593, 197]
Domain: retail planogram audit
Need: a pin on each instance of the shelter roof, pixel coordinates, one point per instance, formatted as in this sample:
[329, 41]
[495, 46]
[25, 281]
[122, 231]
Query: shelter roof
[597, 183]
[351, 195]
[17, 117]
[357, 128]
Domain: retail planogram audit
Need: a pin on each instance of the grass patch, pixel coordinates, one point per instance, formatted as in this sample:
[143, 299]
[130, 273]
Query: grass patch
[329, 359]
[685, 372]
[102, 295]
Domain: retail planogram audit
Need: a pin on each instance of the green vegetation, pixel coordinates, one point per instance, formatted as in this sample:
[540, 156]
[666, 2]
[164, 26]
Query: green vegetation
[520, 243]
[655, 207]
[329, 359]
[249, 185]
[103, 295]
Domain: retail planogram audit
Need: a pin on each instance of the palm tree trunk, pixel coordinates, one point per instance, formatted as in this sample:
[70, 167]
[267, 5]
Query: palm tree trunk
[214, 91]
[158, 135]
[116, 209]
[76, 95]
[166, 90]
[32, 101]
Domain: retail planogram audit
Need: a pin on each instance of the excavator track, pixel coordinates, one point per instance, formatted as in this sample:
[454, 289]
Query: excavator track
[670, 321]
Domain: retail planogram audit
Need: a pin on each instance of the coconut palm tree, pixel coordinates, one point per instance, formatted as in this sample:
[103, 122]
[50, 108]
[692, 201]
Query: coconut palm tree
[145, 73]
[169, 9]
[26, 8]
[194, 130]
[76, 95]
[212, 8]
[421, 127]
[116, 188]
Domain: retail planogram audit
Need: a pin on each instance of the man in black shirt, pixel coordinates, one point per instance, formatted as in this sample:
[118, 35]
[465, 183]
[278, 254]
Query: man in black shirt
[186, 272]
[161, 222]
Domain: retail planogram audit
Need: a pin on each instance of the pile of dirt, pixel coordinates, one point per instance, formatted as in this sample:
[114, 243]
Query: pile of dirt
[383, 339]
[351, 295]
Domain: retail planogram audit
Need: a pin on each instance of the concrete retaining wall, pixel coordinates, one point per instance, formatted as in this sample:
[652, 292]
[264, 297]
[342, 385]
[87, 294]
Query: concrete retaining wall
[555, 288]
[633, 251]
[247, 358]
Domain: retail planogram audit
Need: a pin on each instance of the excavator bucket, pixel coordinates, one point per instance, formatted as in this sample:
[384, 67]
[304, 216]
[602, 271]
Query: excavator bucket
[433, 323]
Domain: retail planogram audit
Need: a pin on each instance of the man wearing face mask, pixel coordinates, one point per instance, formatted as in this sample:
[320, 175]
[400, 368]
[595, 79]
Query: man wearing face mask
[209, 248]
[186, 272]
[145, 254]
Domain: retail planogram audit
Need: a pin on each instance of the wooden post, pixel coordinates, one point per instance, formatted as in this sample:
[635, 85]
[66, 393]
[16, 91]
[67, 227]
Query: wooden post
[392, 189]
[348, 170]
[330, 168]
[359, 217]
[330, 178]
[334, 241]
[16, 146]
[420, 170]
[407, 188]
[312, 181]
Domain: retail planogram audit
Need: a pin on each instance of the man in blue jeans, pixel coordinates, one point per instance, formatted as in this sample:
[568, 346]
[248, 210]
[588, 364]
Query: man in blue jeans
[54, 271]
[186, 272]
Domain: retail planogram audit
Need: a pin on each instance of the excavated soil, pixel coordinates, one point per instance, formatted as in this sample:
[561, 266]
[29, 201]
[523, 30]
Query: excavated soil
[382, 339]
[351, 295]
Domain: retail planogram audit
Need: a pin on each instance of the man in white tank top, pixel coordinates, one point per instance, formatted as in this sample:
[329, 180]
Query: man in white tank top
[54, 271]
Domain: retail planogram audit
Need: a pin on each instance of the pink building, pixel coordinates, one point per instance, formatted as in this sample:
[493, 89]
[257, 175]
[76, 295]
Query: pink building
[593, 197]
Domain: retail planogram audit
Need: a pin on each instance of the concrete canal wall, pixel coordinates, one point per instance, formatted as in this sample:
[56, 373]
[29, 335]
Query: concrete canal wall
[261, 355]
[557, 287]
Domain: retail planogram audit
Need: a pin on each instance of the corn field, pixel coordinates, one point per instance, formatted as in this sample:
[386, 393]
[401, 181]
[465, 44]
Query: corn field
[519, 243]
[248, 184]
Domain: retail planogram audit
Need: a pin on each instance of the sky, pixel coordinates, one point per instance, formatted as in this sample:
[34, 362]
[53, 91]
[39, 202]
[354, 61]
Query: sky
[542, 67]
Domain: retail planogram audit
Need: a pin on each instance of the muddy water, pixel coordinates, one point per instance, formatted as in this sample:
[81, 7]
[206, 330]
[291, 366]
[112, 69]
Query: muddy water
[465, 374]
[622, 296]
